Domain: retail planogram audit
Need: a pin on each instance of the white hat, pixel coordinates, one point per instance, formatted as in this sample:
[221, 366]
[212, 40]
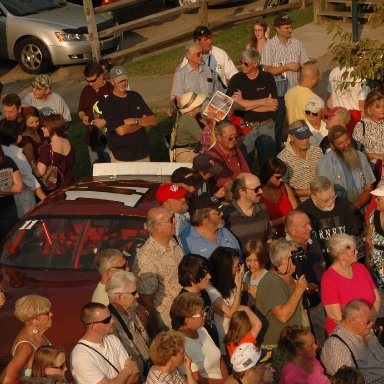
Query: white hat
[379, 191]
[244, 357]
[190, 100]
[314, 104]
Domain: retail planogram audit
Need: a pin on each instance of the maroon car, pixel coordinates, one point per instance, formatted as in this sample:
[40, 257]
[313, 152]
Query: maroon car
[51, 251]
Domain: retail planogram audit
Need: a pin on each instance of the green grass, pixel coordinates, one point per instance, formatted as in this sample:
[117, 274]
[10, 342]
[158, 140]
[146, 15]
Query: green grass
[232, 40]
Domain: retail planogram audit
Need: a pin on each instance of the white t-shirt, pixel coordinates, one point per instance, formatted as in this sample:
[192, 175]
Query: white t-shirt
[222, 323]
[348, 97]
[204, 354]
[317, 135]
[88, 367]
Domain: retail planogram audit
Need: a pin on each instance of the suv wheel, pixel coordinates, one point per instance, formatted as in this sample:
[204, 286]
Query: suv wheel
[33, 56]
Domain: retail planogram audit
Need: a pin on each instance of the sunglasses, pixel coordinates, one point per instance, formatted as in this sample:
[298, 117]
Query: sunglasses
[278, 177]
[311, 113]
[107, 320]
[245, 63]
[61, 367]
[122, 267]
[230, 138]
[94, 80]
[129, 293]
[256, 190]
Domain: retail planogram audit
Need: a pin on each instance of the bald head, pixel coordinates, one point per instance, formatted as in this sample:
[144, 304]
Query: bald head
[309, 76]
[246, 182]
[298, 226]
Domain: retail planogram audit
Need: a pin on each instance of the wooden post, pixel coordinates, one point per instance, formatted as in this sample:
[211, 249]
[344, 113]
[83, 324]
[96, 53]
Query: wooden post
[316, 10]
[303, 4]
[92, 30]
[203, 13]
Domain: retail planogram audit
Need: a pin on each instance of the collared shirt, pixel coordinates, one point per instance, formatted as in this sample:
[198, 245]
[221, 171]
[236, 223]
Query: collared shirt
[193, 242]
[330, 166]
[369, 358]
[276, 53]
[300, 172]
[317, 134]
[232, 165]
[155, 267]
[187, 79]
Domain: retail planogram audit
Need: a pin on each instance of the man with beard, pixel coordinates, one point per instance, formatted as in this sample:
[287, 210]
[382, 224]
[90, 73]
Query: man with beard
[329, 214]
[207, 231]
[300, 158]
[126, 115]
[246, 217]
[347, 168]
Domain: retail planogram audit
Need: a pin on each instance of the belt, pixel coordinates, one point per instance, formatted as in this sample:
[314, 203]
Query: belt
[258, 123]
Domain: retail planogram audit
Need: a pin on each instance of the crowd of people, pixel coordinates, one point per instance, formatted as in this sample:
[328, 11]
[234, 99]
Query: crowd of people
[243, 278]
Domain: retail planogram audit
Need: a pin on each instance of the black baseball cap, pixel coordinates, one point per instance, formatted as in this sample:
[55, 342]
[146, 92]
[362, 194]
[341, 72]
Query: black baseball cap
[201, 31]
[206, 200]
[204, 163]
[183, 175]
[282, 19]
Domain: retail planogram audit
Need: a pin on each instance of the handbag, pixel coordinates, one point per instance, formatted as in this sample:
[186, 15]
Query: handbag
[49, 179]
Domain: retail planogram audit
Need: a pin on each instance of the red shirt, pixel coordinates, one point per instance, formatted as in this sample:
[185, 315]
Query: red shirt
[248, 338]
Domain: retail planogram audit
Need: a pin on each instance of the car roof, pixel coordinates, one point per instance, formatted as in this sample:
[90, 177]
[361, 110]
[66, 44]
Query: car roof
[100, 196]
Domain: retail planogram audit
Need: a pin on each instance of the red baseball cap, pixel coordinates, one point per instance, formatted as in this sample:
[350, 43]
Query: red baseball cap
[169, 191]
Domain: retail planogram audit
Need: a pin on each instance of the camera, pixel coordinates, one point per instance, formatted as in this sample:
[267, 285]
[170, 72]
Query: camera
[298, 256]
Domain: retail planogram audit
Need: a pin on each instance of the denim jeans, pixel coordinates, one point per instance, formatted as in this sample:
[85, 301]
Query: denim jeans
[263, 139]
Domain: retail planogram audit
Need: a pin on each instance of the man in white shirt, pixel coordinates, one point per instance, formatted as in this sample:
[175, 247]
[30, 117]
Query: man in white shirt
[99, 357]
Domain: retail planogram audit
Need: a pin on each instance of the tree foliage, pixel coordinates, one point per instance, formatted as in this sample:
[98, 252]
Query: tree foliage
[364, 57]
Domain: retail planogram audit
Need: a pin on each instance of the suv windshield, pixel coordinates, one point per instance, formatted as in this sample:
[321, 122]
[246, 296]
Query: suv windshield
[71, 242]
[28, 7]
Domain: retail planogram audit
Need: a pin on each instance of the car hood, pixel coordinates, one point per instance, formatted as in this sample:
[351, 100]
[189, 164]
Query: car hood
[68, 18]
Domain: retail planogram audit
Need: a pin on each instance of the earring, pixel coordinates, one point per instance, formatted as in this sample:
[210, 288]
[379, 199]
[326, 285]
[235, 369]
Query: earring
[35, 330]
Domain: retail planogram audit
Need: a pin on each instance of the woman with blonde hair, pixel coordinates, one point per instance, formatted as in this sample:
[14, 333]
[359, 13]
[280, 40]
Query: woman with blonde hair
[49, 361]
[167, 354]
[35, 312]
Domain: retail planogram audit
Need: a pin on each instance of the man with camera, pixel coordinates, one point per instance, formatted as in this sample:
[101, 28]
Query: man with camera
[309, 260]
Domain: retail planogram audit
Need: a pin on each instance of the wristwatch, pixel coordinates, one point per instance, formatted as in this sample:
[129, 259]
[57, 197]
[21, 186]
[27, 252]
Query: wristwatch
[137, 121]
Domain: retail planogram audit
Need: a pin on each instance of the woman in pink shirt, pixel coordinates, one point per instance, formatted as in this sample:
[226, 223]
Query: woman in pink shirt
[300, 347]
[345, 280]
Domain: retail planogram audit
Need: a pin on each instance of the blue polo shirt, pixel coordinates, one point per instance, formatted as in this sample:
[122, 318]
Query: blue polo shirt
[193, 242]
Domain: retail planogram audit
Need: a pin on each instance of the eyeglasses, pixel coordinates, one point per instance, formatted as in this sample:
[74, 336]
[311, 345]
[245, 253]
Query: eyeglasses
[170, 220]
[122, 267]
[256, 190]
[330, 199]
[245, 63]
[107, 320]
[230, 138]
[94, 80]
[61, 367]
[311, 113]
[129, 293]
[278, 177]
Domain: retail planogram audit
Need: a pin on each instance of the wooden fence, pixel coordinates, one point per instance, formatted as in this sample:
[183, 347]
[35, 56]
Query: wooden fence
[201, 18]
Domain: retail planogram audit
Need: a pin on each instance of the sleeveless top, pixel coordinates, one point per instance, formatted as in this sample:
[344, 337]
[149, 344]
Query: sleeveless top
[278, 209]
[27, 372]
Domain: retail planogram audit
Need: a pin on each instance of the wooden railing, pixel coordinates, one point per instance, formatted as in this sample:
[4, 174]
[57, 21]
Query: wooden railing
[201, 18]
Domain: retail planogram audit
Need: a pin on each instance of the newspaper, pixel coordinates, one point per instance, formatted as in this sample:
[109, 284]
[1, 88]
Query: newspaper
[6, 178]
[218, 106]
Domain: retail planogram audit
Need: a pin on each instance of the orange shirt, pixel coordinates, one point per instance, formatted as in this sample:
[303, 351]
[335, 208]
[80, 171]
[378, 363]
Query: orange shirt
[248, 338]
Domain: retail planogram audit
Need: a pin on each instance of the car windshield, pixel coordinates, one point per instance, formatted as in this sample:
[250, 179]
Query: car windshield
[71, 242]
[29, 7]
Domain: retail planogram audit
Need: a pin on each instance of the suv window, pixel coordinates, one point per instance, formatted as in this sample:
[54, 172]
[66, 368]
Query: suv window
[71, 242]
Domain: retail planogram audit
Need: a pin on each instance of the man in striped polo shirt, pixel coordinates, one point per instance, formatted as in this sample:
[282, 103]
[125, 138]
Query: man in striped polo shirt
[283, 56]
[301, 159]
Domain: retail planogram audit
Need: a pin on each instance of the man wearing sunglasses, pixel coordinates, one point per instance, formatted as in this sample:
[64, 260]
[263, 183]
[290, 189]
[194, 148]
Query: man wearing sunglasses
[99, 356]
[255, 95]
[96, 89]
[313, 118]
[246, 217]
[46, 101]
